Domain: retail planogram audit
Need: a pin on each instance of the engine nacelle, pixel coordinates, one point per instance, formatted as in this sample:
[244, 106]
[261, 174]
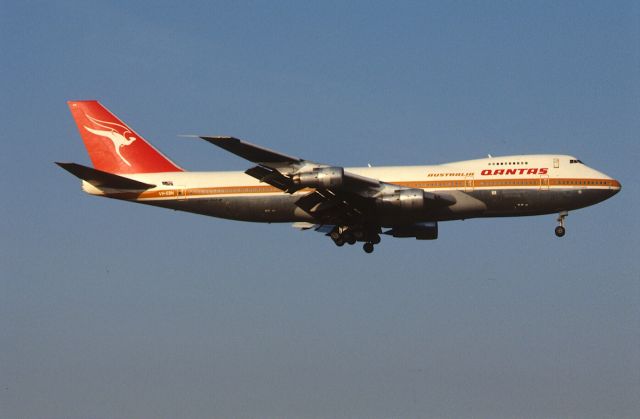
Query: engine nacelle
[402, 201]
[320, 177]
[421, 231]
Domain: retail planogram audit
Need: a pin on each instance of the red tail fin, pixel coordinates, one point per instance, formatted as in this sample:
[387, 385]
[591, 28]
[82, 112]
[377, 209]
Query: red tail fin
[112, 145]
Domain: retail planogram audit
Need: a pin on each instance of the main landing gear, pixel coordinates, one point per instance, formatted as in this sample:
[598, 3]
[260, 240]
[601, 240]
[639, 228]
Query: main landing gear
[368, 246]
[350, 235]
[560, 230]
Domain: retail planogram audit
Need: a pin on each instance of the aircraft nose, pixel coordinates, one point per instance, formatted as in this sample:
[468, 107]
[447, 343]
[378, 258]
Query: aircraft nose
[615, 187]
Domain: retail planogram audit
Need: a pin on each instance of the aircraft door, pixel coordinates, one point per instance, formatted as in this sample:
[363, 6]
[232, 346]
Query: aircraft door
[468, 183]
[544, 182]
[181, 192]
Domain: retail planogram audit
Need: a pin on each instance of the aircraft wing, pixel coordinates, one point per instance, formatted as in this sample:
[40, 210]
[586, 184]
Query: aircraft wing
[336, 196]
[251, 152]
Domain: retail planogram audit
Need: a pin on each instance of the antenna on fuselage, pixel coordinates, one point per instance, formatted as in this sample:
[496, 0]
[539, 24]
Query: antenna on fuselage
[490, 156]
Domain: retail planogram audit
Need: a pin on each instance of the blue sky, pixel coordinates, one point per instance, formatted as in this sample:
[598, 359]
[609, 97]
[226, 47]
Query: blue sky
[112, 310]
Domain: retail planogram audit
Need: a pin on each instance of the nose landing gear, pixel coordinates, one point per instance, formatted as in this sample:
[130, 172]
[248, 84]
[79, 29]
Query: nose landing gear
[560, 230]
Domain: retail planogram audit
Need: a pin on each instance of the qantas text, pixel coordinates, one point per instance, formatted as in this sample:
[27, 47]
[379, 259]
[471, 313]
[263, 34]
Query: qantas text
[527, 171]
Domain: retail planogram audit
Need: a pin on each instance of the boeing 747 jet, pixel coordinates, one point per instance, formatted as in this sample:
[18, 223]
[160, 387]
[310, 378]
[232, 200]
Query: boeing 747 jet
[348, 205]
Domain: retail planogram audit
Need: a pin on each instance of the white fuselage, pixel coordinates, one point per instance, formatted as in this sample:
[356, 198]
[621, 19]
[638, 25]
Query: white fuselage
[498, 186]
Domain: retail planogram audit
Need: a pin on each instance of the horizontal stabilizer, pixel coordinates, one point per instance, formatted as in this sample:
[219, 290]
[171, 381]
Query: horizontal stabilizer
[101, 179]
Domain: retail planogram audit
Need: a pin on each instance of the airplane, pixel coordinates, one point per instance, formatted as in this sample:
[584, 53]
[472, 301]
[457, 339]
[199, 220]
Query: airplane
[348, 205]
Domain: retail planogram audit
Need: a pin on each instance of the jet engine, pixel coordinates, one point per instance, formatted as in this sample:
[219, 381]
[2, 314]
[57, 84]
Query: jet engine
[421, 231]
[320, 177]
[402, 201]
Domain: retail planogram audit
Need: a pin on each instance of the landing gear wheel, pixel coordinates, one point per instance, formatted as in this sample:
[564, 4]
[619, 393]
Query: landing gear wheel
[368, 247]
[375, 239]
[339, 242]
[560, 230]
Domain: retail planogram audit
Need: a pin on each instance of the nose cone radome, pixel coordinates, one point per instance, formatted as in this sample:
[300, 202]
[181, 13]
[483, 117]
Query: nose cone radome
[605, 186]
[613, 188]
[616, 186]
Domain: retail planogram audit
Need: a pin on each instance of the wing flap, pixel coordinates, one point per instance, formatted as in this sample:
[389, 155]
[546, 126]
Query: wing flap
[320, 228]
[271, 176]
[311, 201]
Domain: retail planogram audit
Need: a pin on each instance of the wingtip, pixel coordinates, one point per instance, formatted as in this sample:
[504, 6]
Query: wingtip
[218, 138]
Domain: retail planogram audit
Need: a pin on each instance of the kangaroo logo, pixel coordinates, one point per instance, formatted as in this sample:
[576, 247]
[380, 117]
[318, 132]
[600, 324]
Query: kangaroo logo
[118, 134]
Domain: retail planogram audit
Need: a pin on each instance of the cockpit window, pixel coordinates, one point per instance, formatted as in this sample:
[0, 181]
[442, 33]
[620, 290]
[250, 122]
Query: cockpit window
[575, 161]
